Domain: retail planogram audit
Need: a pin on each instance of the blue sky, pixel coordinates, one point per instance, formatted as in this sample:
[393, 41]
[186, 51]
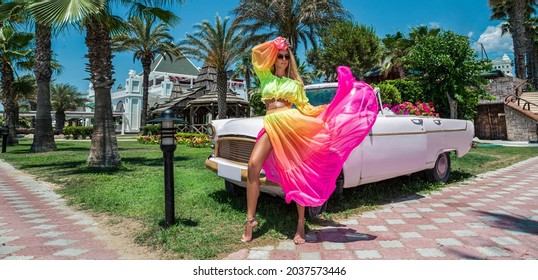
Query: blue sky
[468, 17]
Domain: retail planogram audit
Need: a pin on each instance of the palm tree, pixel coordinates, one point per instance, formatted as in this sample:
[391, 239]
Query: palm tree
[397, 46]
[24, 93]
[243, 69]
[43, 140]
[515, 12]
[14, 46]
[96, 18]
[219, 46]
[297, 20]
[146, 40]
[65, 97]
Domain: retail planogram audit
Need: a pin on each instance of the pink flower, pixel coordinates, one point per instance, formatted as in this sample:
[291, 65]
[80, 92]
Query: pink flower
[280, 43]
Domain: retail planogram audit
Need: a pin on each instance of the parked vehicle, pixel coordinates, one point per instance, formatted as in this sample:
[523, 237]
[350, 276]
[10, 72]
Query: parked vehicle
[396, 145]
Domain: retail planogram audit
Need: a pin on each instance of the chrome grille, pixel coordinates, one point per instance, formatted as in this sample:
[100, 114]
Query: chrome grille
[235, 148]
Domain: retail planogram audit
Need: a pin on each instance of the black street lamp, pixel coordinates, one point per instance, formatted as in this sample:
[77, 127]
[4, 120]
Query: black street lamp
[168, 146]
[5, 132]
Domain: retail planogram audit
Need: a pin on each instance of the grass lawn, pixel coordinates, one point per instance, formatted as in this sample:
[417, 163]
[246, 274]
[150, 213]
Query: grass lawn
[209, 221]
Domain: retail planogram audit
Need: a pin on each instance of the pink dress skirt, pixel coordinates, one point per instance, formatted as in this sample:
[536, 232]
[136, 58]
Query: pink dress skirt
[309, 152]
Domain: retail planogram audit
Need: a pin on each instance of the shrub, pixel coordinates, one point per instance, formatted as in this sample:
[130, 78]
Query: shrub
[409, 90]
[389, 93]
[151, 129]
[77, 132]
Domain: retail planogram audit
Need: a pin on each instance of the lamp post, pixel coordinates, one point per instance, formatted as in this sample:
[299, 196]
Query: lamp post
[5, 132]
[168, 146]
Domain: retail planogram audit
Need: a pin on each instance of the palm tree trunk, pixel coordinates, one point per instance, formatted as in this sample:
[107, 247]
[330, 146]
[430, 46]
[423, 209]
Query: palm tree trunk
[9, 103]
[532, 61]
[104, 146]
[517, 29]
[146, 64]
[222, 90]
[43, 134]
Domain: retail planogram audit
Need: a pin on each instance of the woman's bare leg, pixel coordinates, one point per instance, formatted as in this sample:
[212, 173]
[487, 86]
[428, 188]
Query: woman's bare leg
[257, 158]
[300, 235]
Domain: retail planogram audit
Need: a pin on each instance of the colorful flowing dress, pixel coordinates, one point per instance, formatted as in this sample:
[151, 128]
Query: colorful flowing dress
[310, 144]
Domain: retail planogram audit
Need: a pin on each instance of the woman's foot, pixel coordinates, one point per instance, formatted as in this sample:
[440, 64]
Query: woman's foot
[300, 236]
[250, 224]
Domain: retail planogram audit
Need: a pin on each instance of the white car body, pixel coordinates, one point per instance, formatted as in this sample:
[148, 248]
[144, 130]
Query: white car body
[396, 145]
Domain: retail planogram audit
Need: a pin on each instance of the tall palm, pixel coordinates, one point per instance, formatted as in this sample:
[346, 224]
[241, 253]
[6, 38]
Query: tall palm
[96, 18]
[147, 39]
[219, 45]
[397, 46]
[65, 97]
[24, 92]
[43, 140]
[14, 46]
[243, 69]
[515, 12]
[297, 20]
[532, 58]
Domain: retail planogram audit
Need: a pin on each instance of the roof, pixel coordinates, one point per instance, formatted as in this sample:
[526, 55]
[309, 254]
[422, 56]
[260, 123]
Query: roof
[495, 73]
[212, 97]
[181, 65]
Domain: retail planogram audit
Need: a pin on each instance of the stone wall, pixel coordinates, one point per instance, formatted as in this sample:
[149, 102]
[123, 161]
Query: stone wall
[520, 127]
[502, 87]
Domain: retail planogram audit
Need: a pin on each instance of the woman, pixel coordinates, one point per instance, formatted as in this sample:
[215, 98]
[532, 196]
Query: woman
[303, 149]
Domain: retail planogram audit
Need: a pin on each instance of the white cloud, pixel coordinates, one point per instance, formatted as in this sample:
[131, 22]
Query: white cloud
[494, 42]
[434, 24]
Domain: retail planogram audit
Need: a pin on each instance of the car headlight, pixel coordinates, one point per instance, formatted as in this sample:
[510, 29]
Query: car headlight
[211, 131]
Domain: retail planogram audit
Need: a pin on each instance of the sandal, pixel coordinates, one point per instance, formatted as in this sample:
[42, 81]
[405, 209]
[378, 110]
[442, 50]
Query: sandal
[252, 222]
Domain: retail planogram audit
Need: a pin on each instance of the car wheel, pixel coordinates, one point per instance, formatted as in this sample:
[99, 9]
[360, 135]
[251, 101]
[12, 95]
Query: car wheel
[441, 170]
[312, 212]
[231, 188]
[339, 184]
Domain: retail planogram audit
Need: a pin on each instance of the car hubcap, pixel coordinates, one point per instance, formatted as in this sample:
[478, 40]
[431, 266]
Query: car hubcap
[442, 166]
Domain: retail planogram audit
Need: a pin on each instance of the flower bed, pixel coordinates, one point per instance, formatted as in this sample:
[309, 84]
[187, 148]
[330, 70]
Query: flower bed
[418, 109]
[194, 140]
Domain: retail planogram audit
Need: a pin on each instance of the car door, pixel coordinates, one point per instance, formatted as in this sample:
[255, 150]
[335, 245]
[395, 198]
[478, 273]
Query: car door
[396, 146]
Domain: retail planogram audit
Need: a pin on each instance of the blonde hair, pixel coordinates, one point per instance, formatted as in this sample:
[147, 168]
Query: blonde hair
[292, 71]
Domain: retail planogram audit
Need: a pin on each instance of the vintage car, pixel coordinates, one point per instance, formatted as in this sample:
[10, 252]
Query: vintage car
[396, 145]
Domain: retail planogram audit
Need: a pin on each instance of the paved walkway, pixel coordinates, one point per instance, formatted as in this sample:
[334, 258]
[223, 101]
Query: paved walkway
[35, 223]
[493, 216]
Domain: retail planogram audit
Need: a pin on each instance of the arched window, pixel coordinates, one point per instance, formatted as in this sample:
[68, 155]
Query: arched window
[119, 107]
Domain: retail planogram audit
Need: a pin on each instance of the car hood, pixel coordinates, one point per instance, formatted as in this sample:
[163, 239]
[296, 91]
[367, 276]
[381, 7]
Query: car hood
[245, 127]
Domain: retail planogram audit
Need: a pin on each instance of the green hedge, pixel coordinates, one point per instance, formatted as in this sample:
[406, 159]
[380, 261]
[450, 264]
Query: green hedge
[77, 132]
[151, 129]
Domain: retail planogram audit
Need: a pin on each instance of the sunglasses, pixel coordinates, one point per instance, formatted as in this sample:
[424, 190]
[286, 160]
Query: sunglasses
[283, 56]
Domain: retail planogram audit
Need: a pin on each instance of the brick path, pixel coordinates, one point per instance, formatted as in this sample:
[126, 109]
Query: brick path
[493, 216]
[35, 223]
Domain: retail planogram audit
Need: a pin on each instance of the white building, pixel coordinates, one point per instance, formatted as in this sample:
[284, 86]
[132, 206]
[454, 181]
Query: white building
[165, 76]
[504, 64]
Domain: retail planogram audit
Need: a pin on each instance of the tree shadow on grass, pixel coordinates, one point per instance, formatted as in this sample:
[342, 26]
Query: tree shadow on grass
[62, 149]
[179, 221]
[458, 175]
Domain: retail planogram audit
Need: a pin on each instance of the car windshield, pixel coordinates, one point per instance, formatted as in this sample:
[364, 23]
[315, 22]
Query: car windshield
[319, 96]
